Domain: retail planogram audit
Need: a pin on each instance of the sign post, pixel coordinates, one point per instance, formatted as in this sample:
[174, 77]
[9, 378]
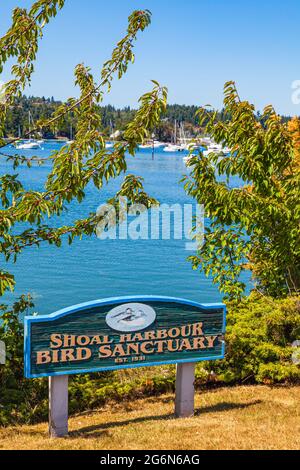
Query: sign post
[121, 333]
[58, 406]
[2, 353]
[185, 390]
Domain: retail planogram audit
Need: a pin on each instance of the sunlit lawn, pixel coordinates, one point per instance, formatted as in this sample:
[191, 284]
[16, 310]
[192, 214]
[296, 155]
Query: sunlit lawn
[252, 417]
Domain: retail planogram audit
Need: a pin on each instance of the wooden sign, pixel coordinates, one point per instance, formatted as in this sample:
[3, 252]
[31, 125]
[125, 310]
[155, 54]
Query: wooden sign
[123, 332]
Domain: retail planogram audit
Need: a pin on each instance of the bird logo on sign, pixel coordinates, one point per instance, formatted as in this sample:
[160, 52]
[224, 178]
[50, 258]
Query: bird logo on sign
[130, 317]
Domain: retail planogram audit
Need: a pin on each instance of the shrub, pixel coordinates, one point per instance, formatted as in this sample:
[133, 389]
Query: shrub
[260, 332]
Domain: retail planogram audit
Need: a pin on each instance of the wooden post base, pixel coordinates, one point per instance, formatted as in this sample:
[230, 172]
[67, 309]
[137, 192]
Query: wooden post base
[58, 406]
[184, 399]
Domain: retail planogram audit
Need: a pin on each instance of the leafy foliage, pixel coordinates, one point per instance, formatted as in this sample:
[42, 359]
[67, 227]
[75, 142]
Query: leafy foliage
[260, 332]
[17, 393]
[255, 226]
[294, 129]
[25, 214]
[83, 162]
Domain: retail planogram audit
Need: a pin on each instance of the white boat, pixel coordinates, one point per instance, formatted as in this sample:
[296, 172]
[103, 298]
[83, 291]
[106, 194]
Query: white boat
[192, 146]
[150, 145]
[213, 148]
[184, 142]
[71, 141]
[206, 140]
[28, 145]
[115, 135]
[158, 144]
[145, 146]
[177, 147]
[174, 148]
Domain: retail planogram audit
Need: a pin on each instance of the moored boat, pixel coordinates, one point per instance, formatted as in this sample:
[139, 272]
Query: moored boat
[174, 148]
[27, 145]
[153, 144]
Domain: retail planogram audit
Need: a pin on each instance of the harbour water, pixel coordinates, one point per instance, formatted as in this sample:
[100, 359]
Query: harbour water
[91, 268]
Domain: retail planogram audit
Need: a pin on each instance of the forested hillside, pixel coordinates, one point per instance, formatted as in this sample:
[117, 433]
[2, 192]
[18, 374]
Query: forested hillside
[28, 110]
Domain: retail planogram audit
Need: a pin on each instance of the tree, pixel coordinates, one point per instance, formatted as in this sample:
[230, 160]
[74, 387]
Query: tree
[294, 130]
[254, 226]
[86, 159]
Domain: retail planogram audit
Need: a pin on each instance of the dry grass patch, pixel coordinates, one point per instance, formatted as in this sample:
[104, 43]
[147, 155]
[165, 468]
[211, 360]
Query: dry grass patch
[256, 417]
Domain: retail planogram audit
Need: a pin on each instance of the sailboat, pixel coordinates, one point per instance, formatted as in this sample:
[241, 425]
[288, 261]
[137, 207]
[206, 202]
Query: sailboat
[153, 144]
[40, 140]
[69, 142]
[109, 144]
[28, 144]
[174, 147]
[213, 148]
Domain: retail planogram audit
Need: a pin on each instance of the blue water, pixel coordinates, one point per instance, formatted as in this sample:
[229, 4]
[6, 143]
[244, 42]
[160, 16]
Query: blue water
[92, 268]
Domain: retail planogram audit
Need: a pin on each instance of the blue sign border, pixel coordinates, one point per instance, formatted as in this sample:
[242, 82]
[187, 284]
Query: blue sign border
[110, 301]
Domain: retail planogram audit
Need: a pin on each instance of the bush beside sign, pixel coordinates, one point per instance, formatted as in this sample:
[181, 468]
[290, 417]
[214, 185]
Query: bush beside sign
[123, 332]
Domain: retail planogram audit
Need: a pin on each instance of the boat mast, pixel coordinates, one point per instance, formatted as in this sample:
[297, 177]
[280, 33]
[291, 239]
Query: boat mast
[111, 130]
[29, 122]
[183, 136]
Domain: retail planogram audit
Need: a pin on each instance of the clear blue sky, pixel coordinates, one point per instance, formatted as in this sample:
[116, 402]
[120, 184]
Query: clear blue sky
[192, 46]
